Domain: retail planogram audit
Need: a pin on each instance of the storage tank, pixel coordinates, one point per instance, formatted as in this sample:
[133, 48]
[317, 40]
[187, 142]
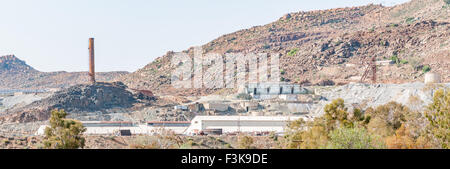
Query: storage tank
[432, 78]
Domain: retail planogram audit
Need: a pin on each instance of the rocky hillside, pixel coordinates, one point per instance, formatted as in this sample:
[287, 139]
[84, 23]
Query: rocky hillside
[16, 74]
[77, 99]
[333, 45]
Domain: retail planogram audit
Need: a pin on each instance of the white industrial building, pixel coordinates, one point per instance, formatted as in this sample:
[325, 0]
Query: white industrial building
[227, 124]
[231, 124]
[272, 90]
[111, 128]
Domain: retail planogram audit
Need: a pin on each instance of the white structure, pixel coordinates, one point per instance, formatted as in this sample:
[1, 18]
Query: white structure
[215, 105]
[384, 62]
[432, 78]
[272, 90]
[111, 128]
[230, 124]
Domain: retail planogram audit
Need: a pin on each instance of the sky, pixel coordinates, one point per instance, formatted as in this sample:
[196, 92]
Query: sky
[52, 35]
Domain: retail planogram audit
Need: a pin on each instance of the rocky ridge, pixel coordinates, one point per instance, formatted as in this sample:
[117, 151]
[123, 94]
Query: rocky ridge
[319, 45]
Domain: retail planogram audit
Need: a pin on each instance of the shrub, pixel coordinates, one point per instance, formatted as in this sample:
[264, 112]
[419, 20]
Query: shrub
[403, 140]
[246, 142]
[426, 69]
[439, 117]
[392, 113]
[394, 25]
[336, 114]
[409, 20]
[354, 138]
[380, 127]
[395, 59]
[63, 133]
[293, 52]
[447, 2]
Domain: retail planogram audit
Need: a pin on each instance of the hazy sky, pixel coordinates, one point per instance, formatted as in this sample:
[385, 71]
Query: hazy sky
[52, 35]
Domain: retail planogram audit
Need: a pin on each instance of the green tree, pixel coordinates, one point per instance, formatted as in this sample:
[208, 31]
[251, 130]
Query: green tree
[293, 136]
[315, 137]
[336, 115]
[380, 127]
[306, 135]
[393, 113]
[63, 133]
[438, 115]
[403, 139]
[246, 142]
[354, 138]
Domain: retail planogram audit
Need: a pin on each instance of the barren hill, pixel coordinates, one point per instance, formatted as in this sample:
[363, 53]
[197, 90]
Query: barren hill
[77, 99]
[332, 45]
[16, 74]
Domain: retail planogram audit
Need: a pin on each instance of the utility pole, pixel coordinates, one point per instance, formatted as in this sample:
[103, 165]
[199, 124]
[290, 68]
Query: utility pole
[91, 61]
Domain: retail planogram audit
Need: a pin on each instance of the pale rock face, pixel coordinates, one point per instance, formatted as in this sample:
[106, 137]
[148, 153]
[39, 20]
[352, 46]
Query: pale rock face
[432, 78]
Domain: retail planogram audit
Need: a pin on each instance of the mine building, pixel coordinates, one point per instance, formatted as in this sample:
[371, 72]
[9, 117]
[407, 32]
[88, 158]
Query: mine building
[232, 124]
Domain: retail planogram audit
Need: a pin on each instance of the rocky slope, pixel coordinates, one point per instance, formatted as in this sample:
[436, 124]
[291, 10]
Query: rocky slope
[318, 45]
[78, 99]
[16, 74]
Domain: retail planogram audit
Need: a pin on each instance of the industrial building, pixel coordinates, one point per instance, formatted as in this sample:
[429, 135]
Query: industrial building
[112, 128]
[226, 124]
[231, 124]
[281, 90]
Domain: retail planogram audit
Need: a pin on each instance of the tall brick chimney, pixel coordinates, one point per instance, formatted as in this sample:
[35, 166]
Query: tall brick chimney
[91, 61]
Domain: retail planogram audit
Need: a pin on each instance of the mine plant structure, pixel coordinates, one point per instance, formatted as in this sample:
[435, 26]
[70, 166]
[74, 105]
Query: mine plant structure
[370, 69]
[91, 61]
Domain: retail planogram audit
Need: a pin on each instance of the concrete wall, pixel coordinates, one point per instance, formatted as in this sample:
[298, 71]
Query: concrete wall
[216, 106]
[230, 124]
[139, 129]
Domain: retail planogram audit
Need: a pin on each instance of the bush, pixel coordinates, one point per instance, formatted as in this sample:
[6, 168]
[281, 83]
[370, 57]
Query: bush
[354, 138]
[447, 2]
[246, 142]
[63, 133]
[438, 115]
[392, 113]
[293, 52]
[394, 25]
[395, 59]
[409, 20]
[336, 114]
[426, 69]
[403, 140]
[403, 62]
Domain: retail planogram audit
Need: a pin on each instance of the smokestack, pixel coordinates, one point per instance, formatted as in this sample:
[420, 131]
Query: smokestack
[91, 61]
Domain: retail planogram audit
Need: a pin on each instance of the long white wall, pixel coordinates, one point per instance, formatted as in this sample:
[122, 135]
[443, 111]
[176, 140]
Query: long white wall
[140, 129]
[230, 124]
